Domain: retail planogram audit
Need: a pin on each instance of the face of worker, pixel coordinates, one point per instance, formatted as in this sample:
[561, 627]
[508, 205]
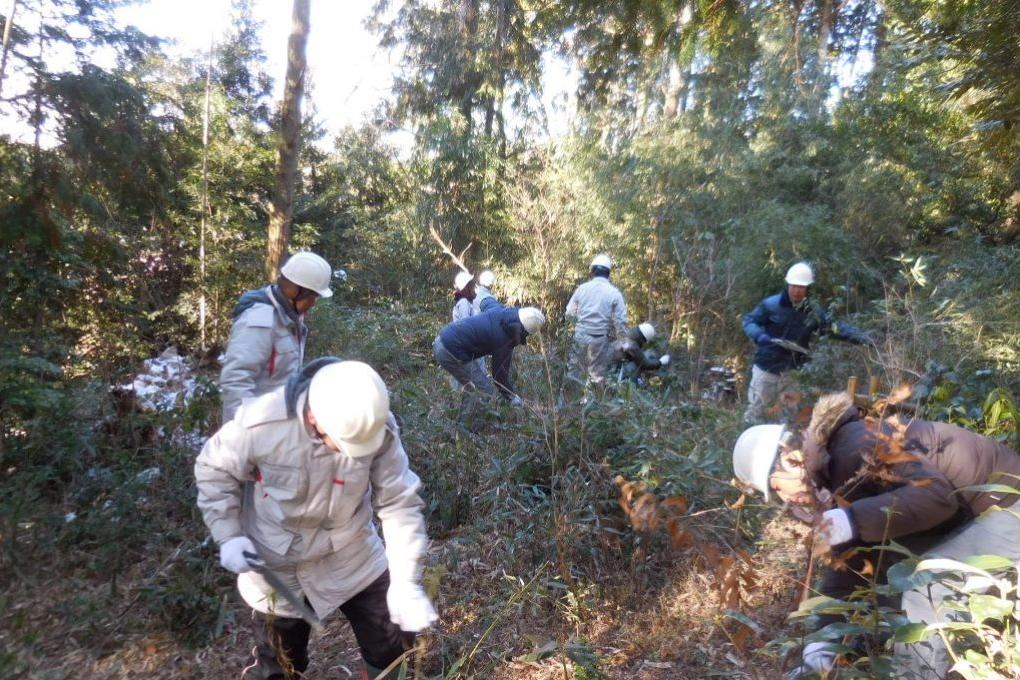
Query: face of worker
[789, 478]
[313, 424]
[797, 293]
[303, 299]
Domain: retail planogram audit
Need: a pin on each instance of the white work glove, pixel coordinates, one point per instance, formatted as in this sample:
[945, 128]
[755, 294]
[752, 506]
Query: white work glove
[410, 607]
[819, 656]
[232, 554]
[835, 527]
[664, 360]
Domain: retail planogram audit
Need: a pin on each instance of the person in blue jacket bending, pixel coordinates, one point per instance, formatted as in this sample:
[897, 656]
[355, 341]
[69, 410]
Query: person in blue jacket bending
[782, 326]
[495, 332]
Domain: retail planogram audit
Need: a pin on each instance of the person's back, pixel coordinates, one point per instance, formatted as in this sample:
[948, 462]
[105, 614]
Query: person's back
[482, 334]
[600, 315]
[949, 459]
[599, 309]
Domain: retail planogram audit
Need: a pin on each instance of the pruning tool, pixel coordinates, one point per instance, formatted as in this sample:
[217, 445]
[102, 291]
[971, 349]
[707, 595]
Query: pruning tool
[258, 565]
[790, 345]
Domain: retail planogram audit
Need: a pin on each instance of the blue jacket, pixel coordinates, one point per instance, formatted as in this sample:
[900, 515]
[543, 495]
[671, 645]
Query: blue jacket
[777, 317]
[492, 333]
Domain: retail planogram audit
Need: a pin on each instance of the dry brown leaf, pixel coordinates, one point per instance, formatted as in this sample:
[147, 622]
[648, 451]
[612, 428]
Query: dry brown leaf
[737, 504]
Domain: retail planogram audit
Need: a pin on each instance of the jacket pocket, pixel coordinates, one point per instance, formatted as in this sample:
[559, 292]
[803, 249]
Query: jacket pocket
[285, 343]
[349, 491]
[282, 483]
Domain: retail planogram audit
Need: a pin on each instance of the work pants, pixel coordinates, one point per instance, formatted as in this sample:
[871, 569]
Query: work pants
[995, 532]
[763, 396]
[281, 644]
[471, 375]
[589, 359]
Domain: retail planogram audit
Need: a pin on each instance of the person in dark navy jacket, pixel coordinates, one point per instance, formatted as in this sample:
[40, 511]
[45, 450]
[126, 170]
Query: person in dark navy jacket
[782, 326]
[495, 332]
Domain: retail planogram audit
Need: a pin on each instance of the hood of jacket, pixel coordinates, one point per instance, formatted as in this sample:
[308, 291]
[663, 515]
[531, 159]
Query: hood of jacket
[299, 382]
[270, 295]
[830, 413]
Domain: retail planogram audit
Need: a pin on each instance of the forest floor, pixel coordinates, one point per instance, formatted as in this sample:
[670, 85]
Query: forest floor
[594, 541]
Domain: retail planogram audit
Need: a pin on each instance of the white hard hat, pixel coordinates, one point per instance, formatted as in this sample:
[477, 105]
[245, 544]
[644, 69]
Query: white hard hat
[647, 330]
[800, 274]
[461, 280]
[487, 278]
[350, 404]
[602, 260]
[754, 454]
[531, 318]
[310, 271]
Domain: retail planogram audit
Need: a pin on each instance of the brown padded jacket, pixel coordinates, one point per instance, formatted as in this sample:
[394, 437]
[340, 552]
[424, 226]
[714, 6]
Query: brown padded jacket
[907, 493]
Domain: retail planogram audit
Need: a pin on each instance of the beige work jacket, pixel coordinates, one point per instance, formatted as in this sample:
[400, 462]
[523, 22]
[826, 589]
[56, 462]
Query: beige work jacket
[265, 349]
[307, 509]
[599, 310]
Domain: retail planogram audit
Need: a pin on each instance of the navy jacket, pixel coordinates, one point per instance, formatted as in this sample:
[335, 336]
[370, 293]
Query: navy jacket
[492, 333]
[777, 316]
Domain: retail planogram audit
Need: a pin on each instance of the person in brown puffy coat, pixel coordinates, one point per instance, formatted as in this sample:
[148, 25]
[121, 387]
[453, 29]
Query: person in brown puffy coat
[909, 481]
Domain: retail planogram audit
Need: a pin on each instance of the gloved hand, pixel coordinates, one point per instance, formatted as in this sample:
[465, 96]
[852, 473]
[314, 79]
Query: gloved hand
[819, 656]
[516, 401]
[664, 360]
[232, 554]
[763, 339]
[835, 527]
[410, 607]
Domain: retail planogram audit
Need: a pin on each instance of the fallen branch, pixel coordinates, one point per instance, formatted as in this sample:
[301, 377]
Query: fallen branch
[459, 261]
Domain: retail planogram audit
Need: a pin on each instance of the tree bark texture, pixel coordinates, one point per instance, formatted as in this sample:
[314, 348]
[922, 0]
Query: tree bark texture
[7, 40]
[282, 206]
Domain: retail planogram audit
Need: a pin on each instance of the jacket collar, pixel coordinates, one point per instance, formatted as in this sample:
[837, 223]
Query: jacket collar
[830, 413]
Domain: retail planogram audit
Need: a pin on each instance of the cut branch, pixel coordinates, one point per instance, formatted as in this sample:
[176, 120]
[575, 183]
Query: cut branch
[457, 259]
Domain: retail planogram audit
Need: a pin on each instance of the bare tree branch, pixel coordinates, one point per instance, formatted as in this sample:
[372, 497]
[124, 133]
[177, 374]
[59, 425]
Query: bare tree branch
[457, 260]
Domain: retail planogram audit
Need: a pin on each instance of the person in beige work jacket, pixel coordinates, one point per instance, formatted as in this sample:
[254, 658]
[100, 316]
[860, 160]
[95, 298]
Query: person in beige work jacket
[267, 340]
[600, 316]
[293, 479]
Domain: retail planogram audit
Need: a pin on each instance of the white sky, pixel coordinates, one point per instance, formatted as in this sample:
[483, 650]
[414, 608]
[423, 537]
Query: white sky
[349, 72]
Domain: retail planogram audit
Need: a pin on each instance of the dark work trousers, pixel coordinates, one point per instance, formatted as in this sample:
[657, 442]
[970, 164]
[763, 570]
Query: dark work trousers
[381, 641]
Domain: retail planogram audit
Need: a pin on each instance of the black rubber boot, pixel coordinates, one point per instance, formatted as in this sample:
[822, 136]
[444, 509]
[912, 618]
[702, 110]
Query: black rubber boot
[281, 647]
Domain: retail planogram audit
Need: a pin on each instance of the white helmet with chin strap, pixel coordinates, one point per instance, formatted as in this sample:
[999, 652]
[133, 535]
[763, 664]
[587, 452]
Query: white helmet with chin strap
[647, 331]
[754, 455]
[310, 271]
[351, 404]
[602, 260]
[800, 274]
[487, 278]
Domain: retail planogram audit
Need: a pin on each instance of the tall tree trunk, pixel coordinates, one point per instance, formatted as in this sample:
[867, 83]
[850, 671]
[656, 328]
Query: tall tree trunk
[469, 77]
[282, 206]
[205, 196]
[826, 20]
[878, 52]
[7, 40]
